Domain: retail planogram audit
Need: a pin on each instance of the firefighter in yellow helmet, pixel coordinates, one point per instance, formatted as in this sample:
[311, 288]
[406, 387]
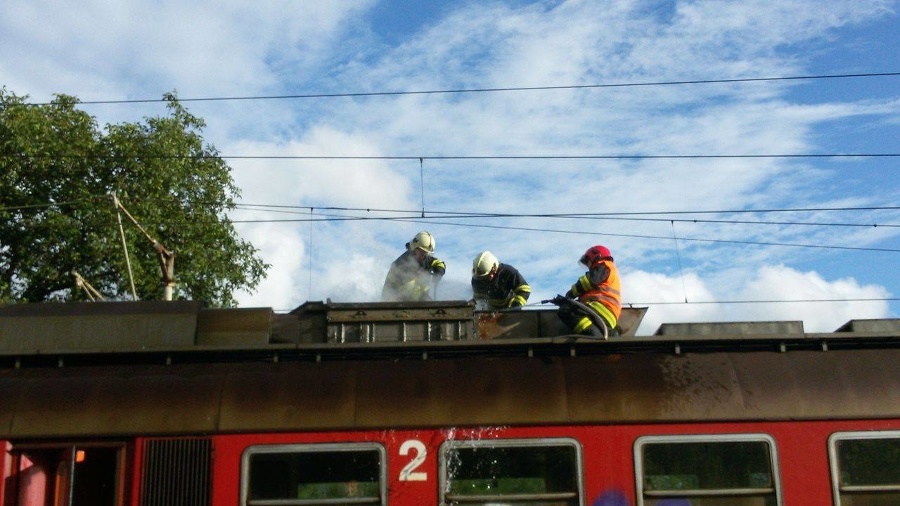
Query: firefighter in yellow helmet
[497, 285]
[412, 273]
[598, 289]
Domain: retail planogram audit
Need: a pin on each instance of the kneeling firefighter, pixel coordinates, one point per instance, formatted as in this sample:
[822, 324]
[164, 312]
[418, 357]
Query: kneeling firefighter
[597, 293]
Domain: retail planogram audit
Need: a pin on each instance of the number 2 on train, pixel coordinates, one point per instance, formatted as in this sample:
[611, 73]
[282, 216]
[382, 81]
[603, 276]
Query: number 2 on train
[409, 473]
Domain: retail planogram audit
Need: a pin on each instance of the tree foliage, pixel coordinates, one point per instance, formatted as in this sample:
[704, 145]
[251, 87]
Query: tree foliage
[58, 171]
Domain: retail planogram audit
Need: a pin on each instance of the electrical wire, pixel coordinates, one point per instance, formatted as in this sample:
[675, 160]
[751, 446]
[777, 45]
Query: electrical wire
[495, 90]
[415, 219]
[475, 157]
[772, 301]
[629, 216]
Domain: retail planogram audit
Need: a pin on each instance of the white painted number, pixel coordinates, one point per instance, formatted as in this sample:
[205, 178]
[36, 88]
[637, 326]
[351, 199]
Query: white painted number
[409, 472]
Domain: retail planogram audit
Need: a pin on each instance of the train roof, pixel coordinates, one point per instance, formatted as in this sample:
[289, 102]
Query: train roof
[118, 331]
[167, 368]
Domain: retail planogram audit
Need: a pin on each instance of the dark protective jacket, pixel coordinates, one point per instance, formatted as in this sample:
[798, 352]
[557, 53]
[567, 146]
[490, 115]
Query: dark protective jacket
[409, 281]
[507, 289]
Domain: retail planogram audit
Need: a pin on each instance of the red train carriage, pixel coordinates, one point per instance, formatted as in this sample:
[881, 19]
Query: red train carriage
[150, 404]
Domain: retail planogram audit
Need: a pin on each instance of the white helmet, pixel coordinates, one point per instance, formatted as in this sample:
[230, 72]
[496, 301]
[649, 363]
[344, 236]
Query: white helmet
[423, 241]
[484, 264]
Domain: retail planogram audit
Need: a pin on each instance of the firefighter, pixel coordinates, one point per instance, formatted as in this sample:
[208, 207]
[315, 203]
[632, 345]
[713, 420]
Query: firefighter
[598, 290]
[497, 285]
[412, 273]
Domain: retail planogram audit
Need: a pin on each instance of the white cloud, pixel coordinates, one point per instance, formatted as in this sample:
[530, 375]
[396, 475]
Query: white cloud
[692, 298]
[140, 49]
[782, 283]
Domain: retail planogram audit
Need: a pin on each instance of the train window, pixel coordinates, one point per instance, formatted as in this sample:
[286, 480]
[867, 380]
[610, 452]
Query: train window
[533, 472]
[720, 470]
[865, 468]
[310, 474]
[72, 475]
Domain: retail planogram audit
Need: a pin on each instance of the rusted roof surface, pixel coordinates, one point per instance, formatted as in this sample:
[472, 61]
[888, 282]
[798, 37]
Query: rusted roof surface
[461, 391]
[174, 368]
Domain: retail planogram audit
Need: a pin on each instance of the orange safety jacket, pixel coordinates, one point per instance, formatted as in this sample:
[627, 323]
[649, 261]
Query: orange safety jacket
[603, 295]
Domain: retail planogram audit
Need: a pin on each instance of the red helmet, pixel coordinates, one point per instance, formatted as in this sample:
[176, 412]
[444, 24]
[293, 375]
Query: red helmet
[595, 254]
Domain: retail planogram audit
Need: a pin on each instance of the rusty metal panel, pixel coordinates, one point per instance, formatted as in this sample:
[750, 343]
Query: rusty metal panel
[509, 324]
[542, 323]
[10, 393]
[246, 326]
[735, 386]
[393, 311]
[288, 396]
[779, 328]
[111, 401]
[458, 393]
[385, 322]
[96, 326]
[630, 320]
[509, 389]
[400, 331]
[876, 325]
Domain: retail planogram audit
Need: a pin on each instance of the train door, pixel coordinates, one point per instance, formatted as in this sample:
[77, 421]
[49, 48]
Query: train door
[67, 475]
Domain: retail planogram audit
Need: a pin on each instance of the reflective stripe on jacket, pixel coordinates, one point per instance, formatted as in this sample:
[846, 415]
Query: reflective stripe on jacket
[600, 288]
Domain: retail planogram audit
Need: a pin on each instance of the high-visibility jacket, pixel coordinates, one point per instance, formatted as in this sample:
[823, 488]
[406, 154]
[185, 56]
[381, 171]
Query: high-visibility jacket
[600, 289]
[507, 289]
[409, 280]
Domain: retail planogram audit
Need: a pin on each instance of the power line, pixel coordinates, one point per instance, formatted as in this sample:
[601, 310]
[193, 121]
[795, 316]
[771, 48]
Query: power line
[713, 302]
[723, 156]
[497, 90]
[622, 213]
[629, 216]
[772, 301]
[557, 157]
[415, 219]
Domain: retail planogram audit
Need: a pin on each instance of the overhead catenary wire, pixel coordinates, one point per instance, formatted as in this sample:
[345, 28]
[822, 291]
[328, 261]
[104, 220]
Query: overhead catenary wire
[499, 89]
[563, 157]
[678, 256]
[414, 217]
[621, 216]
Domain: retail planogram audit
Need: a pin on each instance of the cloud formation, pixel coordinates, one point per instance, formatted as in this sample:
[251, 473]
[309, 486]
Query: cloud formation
[401, 156]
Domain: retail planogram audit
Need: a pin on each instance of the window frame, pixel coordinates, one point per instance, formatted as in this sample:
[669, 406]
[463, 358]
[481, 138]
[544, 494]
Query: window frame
[642, 494]
[834, 462]
[61, 478]
[250, 451]
[454, 444]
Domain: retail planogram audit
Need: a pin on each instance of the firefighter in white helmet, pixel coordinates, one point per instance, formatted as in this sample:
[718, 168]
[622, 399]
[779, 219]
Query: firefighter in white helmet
[412, 274]
[497, 285]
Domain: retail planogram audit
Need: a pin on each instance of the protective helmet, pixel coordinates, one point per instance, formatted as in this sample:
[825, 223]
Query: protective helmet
[595, 254]
[484, 264]
[423, 241]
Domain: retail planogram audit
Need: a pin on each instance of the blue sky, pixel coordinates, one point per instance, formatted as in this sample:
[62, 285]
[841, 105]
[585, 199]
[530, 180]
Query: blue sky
[105, 50]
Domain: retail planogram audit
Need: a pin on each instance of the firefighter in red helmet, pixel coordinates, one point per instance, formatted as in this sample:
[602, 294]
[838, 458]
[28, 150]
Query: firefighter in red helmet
[599, 290]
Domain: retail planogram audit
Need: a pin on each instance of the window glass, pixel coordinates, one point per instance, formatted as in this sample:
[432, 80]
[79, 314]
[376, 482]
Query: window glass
[706, 470]
[527, 472]
[866, 466]
[314, 474]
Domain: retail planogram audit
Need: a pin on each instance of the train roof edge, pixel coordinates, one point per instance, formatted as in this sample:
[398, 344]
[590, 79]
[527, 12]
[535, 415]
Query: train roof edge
[146, 326]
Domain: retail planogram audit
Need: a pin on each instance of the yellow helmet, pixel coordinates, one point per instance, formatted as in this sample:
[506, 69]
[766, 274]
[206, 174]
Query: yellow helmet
[484, 264]
[423, 241]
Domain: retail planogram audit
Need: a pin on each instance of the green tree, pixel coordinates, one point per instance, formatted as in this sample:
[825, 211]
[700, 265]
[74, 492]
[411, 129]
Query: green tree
[58, 171]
